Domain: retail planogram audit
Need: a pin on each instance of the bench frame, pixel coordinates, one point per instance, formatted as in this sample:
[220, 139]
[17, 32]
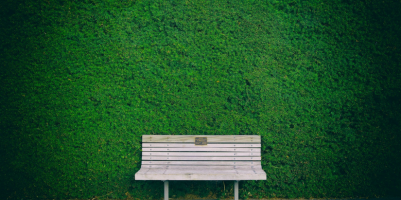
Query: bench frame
[166, 190]
[202, 157]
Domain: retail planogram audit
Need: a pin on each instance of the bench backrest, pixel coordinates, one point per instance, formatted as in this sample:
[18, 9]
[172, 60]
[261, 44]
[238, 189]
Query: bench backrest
[217, 150]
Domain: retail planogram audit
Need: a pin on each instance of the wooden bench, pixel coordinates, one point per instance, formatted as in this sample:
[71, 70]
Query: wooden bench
[201, 157]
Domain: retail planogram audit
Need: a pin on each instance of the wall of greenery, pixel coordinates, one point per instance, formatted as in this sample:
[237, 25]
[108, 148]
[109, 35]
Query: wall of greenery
[82, 81]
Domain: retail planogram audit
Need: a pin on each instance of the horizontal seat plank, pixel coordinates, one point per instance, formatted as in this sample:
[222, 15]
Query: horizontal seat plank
[200, 171]
[210, 138]
[195, 154]
[188, 174]
[202, 163]
[199, 177]
[201, 167]
[202, 149]
[197, 146]
[199, 158]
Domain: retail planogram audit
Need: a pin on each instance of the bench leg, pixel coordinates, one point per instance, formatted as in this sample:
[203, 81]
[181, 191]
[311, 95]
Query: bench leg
[235, 190]
[165, 190]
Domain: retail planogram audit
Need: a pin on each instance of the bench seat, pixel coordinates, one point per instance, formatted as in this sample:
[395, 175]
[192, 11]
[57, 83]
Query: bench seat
[169, 172]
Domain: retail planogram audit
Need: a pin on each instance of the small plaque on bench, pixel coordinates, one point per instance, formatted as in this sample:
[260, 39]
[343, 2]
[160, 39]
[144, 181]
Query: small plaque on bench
[200, 141]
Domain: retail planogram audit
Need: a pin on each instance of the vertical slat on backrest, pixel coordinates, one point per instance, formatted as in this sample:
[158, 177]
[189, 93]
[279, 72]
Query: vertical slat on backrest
[231, 150]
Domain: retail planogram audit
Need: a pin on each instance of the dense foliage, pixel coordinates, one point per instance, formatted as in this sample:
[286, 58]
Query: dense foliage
[81, 82]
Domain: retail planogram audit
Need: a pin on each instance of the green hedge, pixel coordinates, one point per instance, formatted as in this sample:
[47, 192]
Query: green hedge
[82, 82]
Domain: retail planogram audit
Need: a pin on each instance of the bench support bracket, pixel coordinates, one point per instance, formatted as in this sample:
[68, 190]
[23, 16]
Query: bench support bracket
[236, 190]
[165, 190]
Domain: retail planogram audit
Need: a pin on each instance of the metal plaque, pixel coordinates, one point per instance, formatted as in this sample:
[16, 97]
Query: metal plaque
[200, 141]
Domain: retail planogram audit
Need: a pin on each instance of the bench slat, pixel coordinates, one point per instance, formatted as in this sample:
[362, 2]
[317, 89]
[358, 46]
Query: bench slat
[195, 154]
[202, 149]
[201, 167]
[163, 174]
[201, 171]
[198, 163]
[206, 177]
[193, 145]
[199, 158]
[210, 138]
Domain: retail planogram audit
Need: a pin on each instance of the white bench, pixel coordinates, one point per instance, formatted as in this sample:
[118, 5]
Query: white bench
[201, 157]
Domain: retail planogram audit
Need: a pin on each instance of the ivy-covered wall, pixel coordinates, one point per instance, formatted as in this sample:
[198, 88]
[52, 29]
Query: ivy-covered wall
[82, 81]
